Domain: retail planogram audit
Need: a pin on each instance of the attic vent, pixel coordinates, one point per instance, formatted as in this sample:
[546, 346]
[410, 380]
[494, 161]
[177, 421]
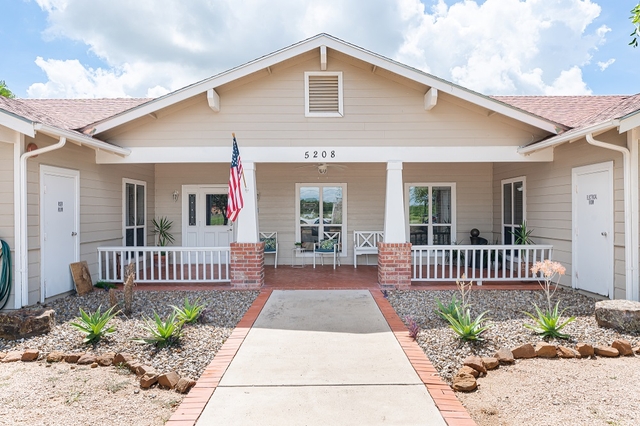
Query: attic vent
[323, 94]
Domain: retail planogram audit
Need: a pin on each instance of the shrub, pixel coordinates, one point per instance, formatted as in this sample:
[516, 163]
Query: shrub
[93, 325]
[189, 312]
[105, 285]
[412, 326]
[162, 333]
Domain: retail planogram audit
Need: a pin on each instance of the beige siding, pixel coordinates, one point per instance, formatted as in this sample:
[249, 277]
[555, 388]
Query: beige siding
[100, 203]
[7, 228]
[549, 200]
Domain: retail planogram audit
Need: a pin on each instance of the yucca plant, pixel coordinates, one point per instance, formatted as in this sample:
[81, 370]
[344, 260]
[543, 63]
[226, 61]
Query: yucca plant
[466, 328]
[189, 312]
[94, 325]
[452, 308]
[162, 333]
[549, 323]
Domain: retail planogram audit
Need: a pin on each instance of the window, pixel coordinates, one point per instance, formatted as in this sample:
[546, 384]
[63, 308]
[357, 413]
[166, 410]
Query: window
[431, 213]
[135, 212]
[513, 207]
[320, 208]
[323, 94]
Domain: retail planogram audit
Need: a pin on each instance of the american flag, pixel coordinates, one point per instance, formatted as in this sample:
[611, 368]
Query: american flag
[235, 201]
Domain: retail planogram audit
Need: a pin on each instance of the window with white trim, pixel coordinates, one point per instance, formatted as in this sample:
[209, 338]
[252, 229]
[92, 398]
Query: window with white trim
[320, 208]
[431, 213]
[134, 215]
[323, 94]
[513, 207]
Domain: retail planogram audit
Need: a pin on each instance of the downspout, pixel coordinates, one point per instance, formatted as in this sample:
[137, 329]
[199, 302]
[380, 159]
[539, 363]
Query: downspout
[24, 250]
[630, 228]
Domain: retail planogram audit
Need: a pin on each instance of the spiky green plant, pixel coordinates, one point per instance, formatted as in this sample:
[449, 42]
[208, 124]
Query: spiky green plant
[161, 333]
[189, 312]
[93, 325]
[549, 323]
[465, 327]
[451, 308]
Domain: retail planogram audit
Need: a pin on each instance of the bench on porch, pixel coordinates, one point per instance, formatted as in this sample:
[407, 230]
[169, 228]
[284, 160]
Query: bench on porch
[365, 242]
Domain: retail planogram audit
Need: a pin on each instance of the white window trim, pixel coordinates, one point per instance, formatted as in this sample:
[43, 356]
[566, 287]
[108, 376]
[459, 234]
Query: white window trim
[522, 179]
[340, 112]
[343, 252]
[454, 216]
[125, 181]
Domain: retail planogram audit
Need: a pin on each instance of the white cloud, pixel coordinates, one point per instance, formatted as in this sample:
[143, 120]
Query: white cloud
[604, 65]
[150, 47]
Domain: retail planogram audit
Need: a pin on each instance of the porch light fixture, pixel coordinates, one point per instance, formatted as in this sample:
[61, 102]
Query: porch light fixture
[175, 195]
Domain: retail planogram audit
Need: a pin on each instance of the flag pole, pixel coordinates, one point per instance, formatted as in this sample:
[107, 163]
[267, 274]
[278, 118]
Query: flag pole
[243, 178]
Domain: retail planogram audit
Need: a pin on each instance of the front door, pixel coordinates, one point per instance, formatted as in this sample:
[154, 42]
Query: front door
[59, 224]
[204, 216]
[593, 228]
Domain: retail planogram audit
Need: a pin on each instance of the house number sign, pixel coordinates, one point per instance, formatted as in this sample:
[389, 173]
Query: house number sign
[319, 154]
[60, 206]
[591, 198]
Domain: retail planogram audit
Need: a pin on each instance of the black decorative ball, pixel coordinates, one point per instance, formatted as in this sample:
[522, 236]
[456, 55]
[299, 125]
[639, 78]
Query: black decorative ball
[474, 232]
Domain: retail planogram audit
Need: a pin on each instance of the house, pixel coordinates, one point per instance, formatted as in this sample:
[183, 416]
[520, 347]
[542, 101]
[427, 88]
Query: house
[325, 128]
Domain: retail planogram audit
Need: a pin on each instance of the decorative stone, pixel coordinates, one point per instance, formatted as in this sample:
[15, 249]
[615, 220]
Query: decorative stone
[72, 358]
[475, 362]
[87, 359]
[635, 349]
[168, 380]
[2, 354]
[184, 385]
[464, 383]
[623, 315]
[12, 356]
[564, 352]
[524, 351]
[148, 380]
[24, 323]
[585, 349]
[490, 363]
[468, 370]
[546, 350]
[55, 357]
[606, 351]
[105, 360]
[146, 370]
[133, 366]
[30, 355]
[94, 365]
[122, 358]
[505, 356]
[623, 346]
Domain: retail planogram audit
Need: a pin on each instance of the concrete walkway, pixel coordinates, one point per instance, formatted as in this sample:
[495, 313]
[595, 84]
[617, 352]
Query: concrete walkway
[318, 357]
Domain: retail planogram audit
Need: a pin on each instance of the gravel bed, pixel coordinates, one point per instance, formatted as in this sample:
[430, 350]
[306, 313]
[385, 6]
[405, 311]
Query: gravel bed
[189, 357]
[505, 312]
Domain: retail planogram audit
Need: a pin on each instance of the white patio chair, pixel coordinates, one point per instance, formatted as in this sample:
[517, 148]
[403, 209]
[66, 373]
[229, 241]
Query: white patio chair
[330, 245]
[270, 240]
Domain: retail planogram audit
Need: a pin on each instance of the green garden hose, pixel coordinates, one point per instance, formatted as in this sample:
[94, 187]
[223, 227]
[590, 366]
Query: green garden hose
[5, 276]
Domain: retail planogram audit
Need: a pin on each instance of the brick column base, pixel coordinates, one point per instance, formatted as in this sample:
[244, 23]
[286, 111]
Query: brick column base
[247, 265]
[394, 265]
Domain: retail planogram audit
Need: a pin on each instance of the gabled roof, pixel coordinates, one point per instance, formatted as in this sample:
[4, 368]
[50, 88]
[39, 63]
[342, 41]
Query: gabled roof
[308, 45]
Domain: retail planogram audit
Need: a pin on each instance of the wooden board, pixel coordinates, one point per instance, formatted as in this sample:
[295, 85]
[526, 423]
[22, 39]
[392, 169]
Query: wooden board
[81, 277]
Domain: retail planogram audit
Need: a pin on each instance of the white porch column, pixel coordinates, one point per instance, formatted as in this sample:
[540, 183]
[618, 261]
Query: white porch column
[247, 222]
[394, 220]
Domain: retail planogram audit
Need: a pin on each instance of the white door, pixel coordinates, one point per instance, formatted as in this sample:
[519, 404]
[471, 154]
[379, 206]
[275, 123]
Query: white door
[204, 222]
[59, 222]
[593, 228]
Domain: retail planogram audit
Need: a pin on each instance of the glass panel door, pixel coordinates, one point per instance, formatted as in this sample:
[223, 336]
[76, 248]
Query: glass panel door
[430, 215]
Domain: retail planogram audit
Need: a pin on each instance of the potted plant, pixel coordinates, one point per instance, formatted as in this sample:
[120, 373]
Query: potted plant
[161, 228]
[522, 236]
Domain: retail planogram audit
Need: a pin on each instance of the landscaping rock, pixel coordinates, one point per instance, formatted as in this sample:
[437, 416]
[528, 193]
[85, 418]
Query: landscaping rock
[184, 385]
[145, 370]
[94, 365]
[148, 380]
[72, 358]
[623, 315]
[606, 351]
[86, 359]
[635, 349]
[546, 350]
[585, 349]
[168, 380]
[26, 323]
[30, 355]
[468, 370]
[464, 383]
[133, 366]
[505, 356]
[623, 346]
[105, 360]
[12, 356]
[490, 363]
[2, 354]
[524, 351]
[55, 357]
[475, 362]
[122, 358]
[564, 352]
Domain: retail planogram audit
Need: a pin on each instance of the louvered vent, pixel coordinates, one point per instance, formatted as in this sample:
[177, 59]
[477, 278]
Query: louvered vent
[324, 94]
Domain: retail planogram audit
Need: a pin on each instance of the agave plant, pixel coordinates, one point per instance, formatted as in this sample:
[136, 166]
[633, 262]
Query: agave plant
[189, 312]
[162, 333]
[549, 323]
[465, 327]
[93, 325]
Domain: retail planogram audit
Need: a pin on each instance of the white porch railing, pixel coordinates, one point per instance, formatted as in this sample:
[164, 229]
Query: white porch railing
[165, 264]
[477, 263]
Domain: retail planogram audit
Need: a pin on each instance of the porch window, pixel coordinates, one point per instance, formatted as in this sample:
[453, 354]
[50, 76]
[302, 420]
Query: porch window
[431, 210]
[513, 207]
[320, 208]
[135, 212]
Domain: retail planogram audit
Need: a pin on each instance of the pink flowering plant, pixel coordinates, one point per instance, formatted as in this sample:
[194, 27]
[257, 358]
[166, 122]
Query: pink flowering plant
[549, 322]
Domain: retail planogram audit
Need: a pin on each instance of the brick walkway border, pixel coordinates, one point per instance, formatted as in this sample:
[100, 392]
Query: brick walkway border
[451, 408]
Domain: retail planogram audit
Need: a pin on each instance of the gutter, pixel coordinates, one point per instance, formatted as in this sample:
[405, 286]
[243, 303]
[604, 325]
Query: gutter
[569, 136]
[83, 140]
[630, 227]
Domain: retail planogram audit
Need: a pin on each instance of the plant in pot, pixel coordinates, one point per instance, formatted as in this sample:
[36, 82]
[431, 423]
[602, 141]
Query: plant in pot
[522, 236]
[161, 228]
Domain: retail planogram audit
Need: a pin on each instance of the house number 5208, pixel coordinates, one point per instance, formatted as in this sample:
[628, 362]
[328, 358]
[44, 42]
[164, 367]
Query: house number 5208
[319, 154]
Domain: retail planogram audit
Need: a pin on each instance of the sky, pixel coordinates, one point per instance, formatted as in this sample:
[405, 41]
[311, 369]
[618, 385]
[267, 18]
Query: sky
[147, 48]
